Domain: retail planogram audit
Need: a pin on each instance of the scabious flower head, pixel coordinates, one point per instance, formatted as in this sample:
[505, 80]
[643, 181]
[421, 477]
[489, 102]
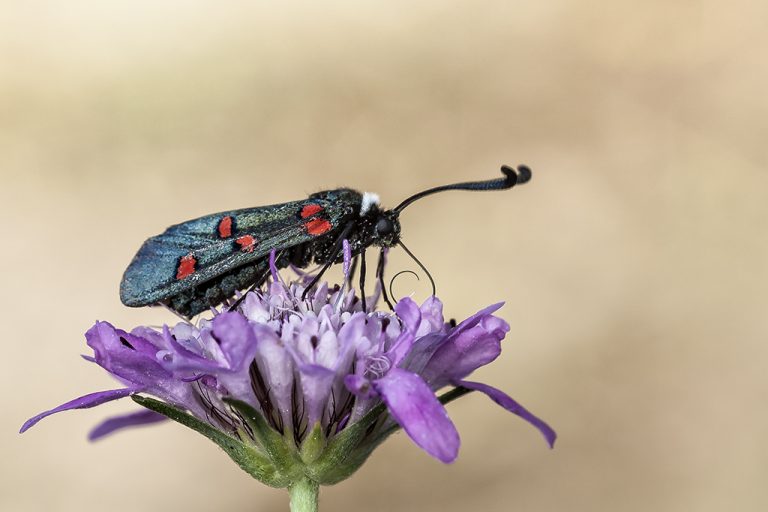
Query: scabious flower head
[296, 388]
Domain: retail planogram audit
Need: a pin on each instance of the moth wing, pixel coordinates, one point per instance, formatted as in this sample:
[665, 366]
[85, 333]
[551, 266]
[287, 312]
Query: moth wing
[193, 252]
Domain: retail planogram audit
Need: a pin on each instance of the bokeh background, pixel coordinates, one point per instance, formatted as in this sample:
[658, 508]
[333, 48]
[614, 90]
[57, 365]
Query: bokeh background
[633, 265]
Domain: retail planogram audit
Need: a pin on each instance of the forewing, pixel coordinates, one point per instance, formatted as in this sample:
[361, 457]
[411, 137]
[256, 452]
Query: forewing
[193, 252]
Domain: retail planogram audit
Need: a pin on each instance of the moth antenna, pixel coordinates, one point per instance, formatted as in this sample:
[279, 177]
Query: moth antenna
[391, 291]
[432, 281]
[511, 178]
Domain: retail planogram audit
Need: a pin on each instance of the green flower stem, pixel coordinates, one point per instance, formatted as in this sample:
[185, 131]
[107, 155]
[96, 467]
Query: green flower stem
[304, 494]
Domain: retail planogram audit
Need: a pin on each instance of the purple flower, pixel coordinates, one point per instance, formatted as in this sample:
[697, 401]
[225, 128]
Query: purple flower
[317, 383]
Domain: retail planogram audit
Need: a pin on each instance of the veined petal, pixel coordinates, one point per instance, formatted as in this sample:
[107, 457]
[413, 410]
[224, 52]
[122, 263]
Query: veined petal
[236, 338]
[181, 359]
[277, 367]
[255, 309]
[466, 350]
[512, 406]
[83, 402]
[304, 340]
[316, 384]
[133, 419]
[327, 350]
[407, 310]
[351, 332]
[152, 336]
[431, 317]
[127, 356]
[360, 386]
[415, 407]
[401, 348]
[438, 369]
[422, 351]
[474, 319]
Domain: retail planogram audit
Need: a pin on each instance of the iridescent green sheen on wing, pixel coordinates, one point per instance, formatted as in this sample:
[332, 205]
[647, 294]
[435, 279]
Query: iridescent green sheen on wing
[154, 274]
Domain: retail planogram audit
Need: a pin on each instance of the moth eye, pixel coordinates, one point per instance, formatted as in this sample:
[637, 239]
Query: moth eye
[384, 226]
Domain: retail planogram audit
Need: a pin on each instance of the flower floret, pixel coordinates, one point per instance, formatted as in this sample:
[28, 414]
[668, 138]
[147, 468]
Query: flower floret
[306, 366]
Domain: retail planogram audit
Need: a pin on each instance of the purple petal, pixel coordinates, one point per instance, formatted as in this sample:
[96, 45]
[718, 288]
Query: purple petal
[401, 348]
[137, 343]
[316, 384]
[415, 407]
[237, 339]
[273, 266]
[422, 351]
[181, 358]
[431, 317]
[351, 332]
[466, 350]
[512, 406]
[474, 319]
[360, 386]
[275, 365]
[149, 334]
[83, 402]
[133, 419]
[439, 369]
[126, 356]
[408, 311]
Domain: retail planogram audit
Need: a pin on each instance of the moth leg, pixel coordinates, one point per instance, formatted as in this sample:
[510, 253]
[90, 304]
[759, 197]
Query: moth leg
[352, 270]
[255, 284]
[362, 280]
[318, 276]
[380, 276]
[337, 246]
[167, 306]
[248, 290]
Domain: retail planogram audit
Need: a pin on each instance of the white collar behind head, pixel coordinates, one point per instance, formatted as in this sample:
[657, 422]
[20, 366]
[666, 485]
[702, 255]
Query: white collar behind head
[369, 199]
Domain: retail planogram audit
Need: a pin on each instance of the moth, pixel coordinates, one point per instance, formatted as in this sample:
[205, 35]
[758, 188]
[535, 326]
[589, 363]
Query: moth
[201, 263]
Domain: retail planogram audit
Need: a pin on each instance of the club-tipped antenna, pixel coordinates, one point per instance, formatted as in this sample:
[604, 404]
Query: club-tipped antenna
[432, 281]
[511, 178]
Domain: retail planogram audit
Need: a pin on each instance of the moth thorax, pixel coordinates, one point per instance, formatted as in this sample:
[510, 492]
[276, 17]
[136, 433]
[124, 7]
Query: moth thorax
[369, 200]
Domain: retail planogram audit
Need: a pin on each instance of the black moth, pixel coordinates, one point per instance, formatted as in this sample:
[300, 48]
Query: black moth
[201, 263]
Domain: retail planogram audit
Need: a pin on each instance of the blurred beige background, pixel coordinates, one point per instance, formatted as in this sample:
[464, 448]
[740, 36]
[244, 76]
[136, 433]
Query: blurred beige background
[633, 265]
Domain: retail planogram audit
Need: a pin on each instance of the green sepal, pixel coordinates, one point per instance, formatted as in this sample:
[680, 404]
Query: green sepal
[350, 465]
[360, 452]
[280, 450]
[338, 461]
[247, 456]
[313, 445]
[274, 460]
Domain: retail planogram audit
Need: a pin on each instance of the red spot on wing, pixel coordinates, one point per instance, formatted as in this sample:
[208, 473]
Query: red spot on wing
[225, 227]
[310, 210]
[246, 243]
[317, 226]
[186, 266]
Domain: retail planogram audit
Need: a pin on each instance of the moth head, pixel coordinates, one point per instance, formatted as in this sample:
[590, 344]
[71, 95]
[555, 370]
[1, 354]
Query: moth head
[386, 229]
[383, 227]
